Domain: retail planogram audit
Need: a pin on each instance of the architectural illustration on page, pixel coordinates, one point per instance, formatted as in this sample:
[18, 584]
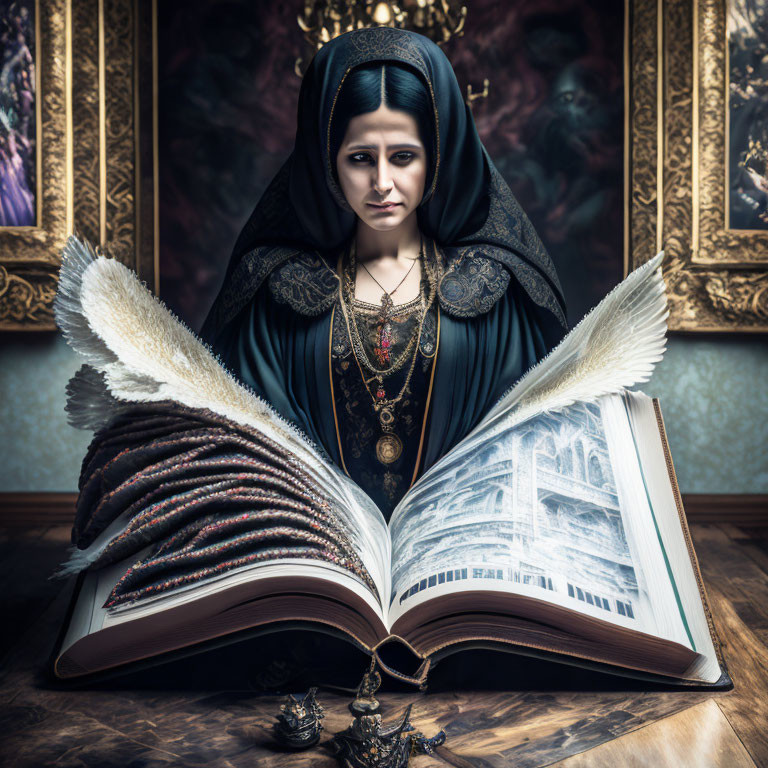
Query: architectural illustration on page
[538, 506]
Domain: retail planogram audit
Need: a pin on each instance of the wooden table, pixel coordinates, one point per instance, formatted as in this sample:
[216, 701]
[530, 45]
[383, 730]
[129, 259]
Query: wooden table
[579, 720]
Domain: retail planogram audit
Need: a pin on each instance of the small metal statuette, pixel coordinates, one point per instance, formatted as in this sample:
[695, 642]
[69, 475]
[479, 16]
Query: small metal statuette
[365, 702]
[298, 724]
[369, 743]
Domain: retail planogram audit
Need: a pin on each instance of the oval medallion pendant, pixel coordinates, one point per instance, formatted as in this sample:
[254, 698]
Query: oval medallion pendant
[388, 448]
[386, 417]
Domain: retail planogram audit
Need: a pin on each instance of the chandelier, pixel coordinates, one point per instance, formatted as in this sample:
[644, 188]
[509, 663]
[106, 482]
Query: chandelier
[439, 20]
[322, 20]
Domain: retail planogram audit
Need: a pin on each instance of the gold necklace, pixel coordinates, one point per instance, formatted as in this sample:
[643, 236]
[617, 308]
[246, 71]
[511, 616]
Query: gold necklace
[389, 447]
[392, 292]
[385, 335]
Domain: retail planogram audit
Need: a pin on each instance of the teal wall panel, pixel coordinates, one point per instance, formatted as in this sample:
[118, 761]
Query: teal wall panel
[714, 398]
[39, 451]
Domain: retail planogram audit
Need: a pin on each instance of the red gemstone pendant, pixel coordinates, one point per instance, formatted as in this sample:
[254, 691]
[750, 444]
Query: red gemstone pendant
[382, 350]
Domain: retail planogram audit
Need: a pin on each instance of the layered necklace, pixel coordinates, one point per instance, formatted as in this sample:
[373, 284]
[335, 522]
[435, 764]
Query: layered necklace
[389, 447]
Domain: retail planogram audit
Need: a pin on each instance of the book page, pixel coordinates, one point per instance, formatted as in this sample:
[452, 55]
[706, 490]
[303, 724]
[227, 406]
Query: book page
[359, 517]
[537, 511]
[310, 578]
[663, 499]
[367, 529]
[307, 570]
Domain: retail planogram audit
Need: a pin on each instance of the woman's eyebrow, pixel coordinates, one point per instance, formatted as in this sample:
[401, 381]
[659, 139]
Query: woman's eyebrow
[389, 146]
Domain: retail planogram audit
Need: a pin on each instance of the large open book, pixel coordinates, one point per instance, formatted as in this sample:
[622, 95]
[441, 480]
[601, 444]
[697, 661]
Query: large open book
[554, 529]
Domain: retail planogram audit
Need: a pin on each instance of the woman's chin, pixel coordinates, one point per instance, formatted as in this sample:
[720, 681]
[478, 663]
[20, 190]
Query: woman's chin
[384, 223]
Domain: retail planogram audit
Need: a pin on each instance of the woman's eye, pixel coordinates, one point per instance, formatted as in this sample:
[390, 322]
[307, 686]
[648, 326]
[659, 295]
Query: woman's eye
[401, 158]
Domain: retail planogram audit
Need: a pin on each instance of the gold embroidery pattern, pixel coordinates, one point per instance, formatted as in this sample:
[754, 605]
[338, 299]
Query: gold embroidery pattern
[473, 284]
[305, 283]
[377, 43]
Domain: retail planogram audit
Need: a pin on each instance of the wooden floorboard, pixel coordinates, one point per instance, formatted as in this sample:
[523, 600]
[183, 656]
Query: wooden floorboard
[700, 735]
[530, 724]
[738, 589]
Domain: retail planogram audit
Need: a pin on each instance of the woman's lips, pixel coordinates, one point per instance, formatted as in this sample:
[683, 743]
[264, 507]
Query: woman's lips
[383, 207]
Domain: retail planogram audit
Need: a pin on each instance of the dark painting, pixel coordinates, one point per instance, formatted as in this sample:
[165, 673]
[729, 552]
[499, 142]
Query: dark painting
[18, 140]
[552, 122]
[748, 114]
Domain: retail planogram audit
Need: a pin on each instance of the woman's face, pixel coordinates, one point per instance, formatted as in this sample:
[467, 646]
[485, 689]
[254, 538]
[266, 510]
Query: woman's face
[382, 167]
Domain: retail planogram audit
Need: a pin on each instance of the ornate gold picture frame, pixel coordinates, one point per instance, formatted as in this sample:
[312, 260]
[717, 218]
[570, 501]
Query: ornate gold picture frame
[29, 255]
[94, 176]
[717, 277]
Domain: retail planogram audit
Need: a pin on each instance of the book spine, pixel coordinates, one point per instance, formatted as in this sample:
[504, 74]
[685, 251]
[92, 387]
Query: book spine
[420, 676]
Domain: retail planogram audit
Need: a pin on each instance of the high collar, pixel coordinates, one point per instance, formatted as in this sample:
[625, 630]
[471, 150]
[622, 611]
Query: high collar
[469, 282]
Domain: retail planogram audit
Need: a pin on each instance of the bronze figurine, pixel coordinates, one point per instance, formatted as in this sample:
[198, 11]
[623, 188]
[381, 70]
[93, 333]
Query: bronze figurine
[369, 743]
[298, 725]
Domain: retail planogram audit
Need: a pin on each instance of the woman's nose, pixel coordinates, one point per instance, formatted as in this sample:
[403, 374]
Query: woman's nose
[382, 180]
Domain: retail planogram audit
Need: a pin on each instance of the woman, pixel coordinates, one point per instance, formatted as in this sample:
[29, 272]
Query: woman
[388, 288]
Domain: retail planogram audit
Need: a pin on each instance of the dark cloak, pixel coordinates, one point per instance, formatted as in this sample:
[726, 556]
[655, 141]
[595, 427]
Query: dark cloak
[500, 303]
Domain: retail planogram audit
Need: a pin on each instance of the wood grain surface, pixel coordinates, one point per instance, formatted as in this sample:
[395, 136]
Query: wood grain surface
[203, 712]
[698, 736]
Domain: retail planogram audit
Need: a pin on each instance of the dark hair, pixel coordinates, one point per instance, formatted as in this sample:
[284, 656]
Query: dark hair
[403, 90]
